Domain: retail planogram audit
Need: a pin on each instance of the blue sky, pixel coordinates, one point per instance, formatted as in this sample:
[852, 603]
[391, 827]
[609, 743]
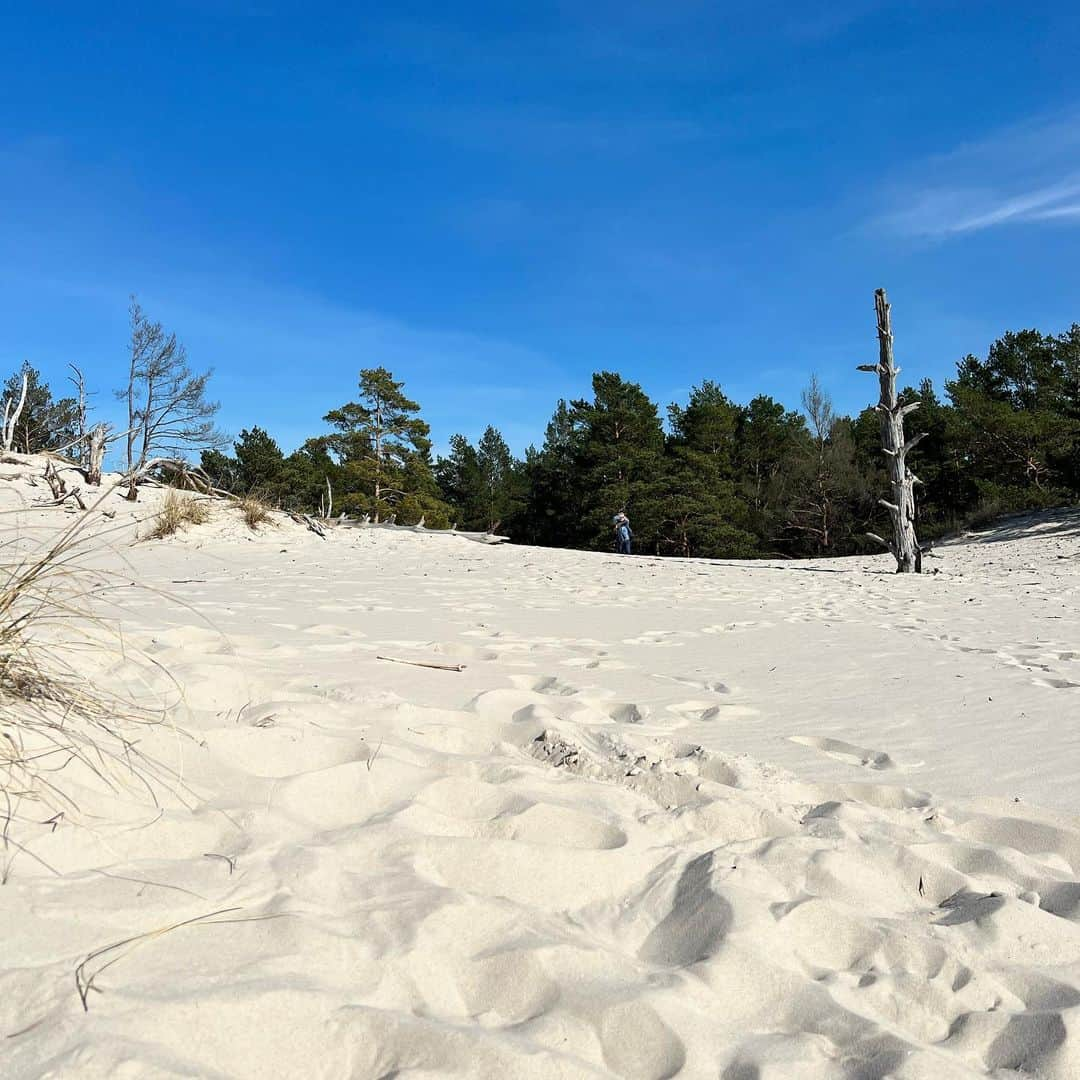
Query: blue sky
[495, 200]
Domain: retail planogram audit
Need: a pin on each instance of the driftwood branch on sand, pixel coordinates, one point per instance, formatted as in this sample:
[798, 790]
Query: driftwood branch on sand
[305, 519]
[422, 663]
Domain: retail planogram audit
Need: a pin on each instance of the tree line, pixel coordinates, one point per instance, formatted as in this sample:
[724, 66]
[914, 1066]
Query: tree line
[708, 477]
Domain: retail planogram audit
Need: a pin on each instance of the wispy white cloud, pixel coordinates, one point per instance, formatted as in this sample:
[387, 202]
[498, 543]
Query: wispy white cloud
[1024, 175]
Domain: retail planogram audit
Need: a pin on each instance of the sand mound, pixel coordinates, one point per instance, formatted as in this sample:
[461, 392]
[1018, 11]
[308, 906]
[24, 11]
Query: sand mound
[672, 819]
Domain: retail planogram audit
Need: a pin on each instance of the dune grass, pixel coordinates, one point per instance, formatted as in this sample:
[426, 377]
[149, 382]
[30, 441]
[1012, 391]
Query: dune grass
[254, 511]
[176, 511]
[62, 730]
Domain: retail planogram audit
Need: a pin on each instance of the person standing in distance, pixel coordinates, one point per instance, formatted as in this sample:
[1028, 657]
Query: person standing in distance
[623, 534]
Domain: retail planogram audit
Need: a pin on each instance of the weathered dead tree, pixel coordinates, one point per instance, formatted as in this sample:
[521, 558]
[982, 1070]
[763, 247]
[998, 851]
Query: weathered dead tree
[12, 412]
[54, 480]
[94, 455]
[901, 507]
[59, 489]
[81, 432]
[177, 473]
[168, 413]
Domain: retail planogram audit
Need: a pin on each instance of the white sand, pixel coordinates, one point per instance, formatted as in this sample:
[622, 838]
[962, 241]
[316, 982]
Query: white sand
[739, 820]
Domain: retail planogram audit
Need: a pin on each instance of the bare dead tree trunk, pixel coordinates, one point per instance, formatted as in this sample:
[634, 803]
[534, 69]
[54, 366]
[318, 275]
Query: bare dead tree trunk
[132, 429]
[12, 412]
[378, 458]
[139, 469]
[901, 507]
[95, 454]
[80, 412]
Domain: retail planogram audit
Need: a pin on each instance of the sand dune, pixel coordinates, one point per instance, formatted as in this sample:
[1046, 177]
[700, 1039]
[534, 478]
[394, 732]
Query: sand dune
[674, 818]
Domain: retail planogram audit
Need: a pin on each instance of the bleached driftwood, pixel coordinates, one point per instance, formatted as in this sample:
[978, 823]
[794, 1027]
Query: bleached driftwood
[59, 489]
[901, 507]
[310, 522]
[97, 442]
[422, 663]
[182, 474]
[478, 537]
[89, 449]
[314, 526]
[74, 495]
[54, 480]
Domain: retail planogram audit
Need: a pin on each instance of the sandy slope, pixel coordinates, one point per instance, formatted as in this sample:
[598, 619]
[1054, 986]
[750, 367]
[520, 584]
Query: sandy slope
[674, 818]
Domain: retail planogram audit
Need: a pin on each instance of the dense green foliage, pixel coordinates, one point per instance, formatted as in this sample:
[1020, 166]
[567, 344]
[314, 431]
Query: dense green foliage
[375, 461]
[718, 479]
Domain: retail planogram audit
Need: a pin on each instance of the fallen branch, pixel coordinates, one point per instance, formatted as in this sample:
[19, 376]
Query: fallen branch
[310, 522]
[54, 480]
[422, 663]
[74, 493]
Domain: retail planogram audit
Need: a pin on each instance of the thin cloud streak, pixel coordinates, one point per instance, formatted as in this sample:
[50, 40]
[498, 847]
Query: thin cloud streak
[1033, 206]
[1021, 176]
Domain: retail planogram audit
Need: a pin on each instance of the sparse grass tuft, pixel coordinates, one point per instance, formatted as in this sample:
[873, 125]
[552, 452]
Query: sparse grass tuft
[177, 511]
[254, 511]
[62, 730]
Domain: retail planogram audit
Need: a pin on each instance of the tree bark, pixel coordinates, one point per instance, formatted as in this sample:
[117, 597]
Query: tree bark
[901, 504]
[11, 418]
[80, 414]
[95, 453]
[131, 428]
[54, 480]
[378, 458]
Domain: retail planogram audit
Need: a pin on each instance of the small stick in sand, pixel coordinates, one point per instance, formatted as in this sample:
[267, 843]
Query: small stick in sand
[214, 855]
[423, 663]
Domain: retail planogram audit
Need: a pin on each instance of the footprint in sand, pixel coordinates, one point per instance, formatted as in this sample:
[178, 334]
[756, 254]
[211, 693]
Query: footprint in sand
[710, 710]
[658, 638]
[595, 664]
[550, 685]
[712, 686]
[848, 753]
[628, 713]
[1056, 684]
[636, 1043]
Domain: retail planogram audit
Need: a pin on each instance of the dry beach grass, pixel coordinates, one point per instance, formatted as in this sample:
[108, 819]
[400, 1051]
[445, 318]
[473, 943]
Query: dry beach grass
[177, 510]
[60, 727]
[255, 511]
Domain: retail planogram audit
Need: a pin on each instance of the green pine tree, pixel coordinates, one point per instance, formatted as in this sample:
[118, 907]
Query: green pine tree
[1019, 413]
[619, 443]
[501, 479]
[769, 441]
[459, 479]
[701, 515]
[384, 453]
[552, 512]
[259, 462]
